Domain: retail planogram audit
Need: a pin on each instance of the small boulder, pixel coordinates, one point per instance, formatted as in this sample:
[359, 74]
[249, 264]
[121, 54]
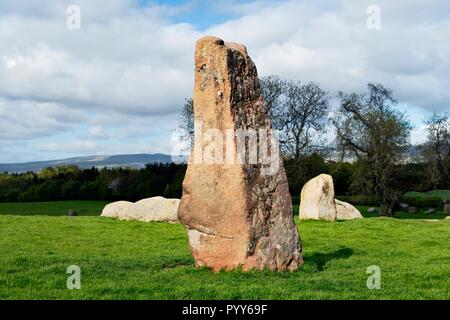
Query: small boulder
[317, 199]
[345, 211]
[72, 213]
[146, 210]
[430, 211]
[404, 206]
[371, 210]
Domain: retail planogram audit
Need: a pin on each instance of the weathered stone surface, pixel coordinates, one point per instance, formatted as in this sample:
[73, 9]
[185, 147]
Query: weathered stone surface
[235, 216]
[317, 202]
[345, 211]
[317, 199]
[151, 209]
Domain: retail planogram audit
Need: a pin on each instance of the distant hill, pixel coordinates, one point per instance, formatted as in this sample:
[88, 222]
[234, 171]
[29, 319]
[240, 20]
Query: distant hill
[123, 160]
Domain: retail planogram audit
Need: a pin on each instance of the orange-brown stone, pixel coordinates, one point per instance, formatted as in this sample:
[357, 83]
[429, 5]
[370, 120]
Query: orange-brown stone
[235, 215]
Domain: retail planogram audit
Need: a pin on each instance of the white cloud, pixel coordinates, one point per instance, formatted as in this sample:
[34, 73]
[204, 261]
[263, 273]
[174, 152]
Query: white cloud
[98, 132]
[23, 119]
[131, 63]
[328, 41]
[76, 146]
[117, 84]
[295, 59]
[419, 134]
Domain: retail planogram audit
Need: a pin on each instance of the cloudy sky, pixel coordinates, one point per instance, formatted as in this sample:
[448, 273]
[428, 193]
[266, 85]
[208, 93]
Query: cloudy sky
[116, 84]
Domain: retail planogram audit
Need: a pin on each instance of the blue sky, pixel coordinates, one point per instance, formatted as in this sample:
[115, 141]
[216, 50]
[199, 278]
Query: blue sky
[200, 13]
[117, 84]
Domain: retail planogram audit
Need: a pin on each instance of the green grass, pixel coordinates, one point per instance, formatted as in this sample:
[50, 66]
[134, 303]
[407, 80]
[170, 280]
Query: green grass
[52, 208]
[135, 260]
[443, 194]
[94, 208]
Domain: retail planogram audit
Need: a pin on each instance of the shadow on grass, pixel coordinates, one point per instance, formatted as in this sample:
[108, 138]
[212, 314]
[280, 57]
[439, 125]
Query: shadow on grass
[321, 259]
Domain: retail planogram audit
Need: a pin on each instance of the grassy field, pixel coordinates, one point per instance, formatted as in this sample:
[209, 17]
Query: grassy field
[135, 260]
[52, 208]
[94, 208]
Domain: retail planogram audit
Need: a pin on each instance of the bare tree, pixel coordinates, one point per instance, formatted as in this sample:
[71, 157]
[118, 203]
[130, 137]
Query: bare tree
[368, 126]
[303, 118]
[298, 111]
[273, 89]
[187, 123]
[437, 149]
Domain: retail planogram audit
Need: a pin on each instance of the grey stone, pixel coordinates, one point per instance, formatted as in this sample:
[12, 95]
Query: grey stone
[146, 210]
[371, 210]
[72, 213]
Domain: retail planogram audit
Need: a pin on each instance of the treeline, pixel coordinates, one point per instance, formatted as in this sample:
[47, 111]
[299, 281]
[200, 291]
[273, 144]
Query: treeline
[366, 128]
[73, 183]
[364, 144]
[346, 177]
[64, 183]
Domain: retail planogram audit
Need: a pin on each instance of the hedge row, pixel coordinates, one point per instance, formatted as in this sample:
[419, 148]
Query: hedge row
[423, 202]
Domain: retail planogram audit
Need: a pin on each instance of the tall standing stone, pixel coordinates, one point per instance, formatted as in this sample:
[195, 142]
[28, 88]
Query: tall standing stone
[235, 215]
